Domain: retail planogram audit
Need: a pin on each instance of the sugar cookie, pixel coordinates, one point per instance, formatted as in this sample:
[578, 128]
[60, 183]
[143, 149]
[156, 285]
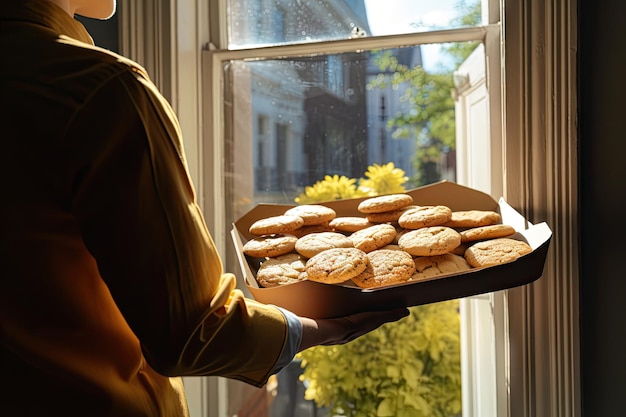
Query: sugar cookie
[496, 251]
[386, 267]
[314, 243]
[373, 237]
[334, 266]
[429, 241]
[282, 270]
[270, 245]
[384, 203]
[432, 266]
[486, 232]
[473, 218]
[276, 224]
[425, 216]
[312, 213]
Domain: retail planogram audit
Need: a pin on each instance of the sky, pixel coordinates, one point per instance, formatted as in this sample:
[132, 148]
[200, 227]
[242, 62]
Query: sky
[390, 17]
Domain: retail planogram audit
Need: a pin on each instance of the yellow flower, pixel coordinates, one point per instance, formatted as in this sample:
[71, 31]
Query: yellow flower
[384, 179]
[330, 188]
[381, 179]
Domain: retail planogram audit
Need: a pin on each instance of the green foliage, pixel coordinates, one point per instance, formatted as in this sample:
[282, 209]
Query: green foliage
[429, 116]
[410, 368]
[430, 119]
[381, 179]
[469, 15]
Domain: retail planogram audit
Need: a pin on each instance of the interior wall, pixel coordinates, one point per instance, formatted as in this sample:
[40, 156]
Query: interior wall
[602, 89]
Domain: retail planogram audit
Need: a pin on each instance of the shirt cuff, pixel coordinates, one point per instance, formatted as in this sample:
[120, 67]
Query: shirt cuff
[294, 337]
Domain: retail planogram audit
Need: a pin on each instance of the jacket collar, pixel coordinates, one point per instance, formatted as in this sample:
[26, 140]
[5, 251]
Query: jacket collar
[44, 13]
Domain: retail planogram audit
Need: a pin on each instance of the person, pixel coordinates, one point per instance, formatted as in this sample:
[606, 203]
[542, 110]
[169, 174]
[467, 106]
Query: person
[111, 287]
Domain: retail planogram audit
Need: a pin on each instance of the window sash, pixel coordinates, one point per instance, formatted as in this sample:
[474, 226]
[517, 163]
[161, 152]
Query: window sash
[478, 33]
[214, 61]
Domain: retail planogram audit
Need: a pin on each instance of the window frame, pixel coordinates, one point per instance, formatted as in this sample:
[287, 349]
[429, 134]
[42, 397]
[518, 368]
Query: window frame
[488, 308]
[539, 97]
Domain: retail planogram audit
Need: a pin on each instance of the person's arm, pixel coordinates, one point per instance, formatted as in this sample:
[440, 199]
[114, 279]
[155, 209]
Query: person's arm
[136, 208]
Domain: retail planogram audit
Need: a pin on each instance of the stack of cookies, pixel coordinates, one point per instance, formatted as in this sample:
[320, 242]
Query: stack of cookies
[392, 241]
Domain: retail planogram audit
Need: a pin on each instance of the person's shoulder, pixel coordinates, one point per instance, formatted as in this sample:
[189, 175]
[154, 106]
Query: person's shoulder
[79, 70]
[99, 62]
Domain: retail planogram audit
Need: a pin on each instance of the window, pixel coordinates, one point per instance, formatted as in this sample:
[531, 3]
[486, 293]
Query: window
[338, 103]
[538, 157]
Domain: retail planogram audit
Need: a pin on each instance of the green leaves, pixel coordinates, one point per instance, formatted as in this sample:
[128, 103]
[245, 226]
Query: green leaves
[410, 368]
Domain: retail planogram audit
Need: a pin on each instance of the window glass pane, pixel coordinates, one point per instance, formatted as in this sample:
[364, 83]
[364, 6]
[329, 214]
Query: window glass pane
[296, 123]
[275, 22]
[298, 120]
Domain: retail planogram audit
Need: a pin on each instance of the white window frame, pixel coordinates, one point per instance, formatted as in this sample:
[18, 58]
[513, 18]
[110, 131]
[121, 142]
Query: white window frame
[479, 375]
[540, 164]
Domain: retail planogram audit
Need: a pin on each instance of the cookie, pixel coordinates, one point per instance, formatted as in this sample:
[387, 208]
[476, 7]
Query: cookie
[312, 214]
[314, 228]
[496, 251]
[430, 241]
[270, 245]
[387, 216]
[425, 216]
[432, 266]
[391, 246]
[334, 266]
[349, 224]
[373, 237]
[314, 243]
[281, 270]
[385, 267]
[276, 224]
[486, 232]
[473, 218]
[384, 203]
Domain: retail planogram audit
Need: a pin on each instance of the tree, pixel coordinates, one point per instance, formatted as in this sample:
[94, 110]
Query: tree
[430, 118]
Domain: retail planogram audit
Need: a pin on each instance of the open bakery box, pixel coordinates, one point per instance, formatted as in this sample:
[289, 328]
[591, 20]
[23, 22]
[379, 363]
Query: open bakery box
[318, 300]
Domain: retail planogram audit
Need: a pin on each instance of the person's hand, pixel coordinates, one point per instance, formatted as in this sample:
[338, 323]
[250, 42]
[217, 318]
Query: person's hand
[340, 330]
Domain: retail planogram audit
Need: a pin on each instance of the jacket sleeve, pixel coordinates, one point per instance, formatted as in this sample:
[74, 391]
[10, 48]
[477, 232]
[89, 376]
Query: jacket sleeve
[135, 205]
